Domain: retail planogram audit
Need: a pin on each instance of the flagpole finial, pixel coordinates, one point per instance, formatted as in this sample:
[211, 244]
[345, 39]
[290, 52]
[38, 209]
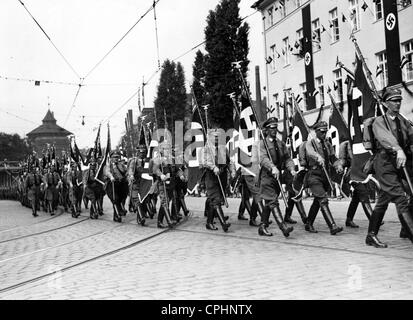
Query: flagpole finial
[236, 64]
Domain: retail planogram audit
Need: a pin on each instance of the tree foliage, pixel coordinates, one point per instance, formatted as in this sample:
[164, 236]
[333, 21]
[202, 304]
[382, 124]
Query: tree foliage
[171, 95]
[13, 148]
[226, 42]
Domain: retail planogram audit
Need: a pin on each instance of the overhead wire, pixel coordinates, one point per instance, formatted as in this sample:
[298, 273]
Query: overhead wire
[51, 41]
[123, 37]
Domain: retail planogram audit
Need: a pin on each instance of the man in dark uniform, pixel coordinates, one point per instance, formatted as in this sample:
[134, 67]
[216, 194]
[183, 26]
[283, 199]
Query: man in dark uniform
[135, 169]
[32, 186]
[181, 184]
[320, 153]
[51, 181]
[271, 166]
[216, 164]
[73, 179]
[117, 187]
[394, 151]
[360, 191]
[90, 188]
[161, 170]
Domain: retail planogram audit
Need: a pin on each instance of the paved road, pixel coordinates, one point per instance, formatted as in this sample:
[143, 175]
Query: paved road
[190, 262]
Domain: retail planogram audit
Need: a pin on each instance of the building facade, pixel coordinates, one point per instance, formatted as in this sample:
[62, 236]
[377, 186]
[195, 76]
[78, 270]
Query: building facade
[304, 38]
[49, 133]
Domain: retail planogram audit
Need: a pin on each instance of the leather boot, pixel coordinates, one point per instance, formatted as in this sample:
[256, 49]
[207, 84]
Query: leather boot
[300, 207]
[247, 205]
[161, 215]
[260, 210]
[372, 240]
[311, 217]
[220, 214]
[184, 207]
[116, 215]
[140, 219]
[262, 230]
[289, 211]
[374, 225]
[406, 220]
[351, 211]
[34, 210]
[207, 206]
[276, 212]
[167, 216]
[149, 209]
[334, 229]
[403, 233]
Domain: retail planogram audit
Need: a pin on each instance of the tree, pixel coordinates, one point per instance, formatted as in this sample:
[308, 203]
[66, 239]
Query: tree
[13, 148]
[226, 42]
[171, 96]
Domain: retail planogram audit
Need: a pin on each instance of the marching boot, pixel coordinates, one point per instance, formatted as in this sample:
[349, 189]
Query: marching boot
[99, 209]
[403, 233]
[247, 205]
[116, 215]
[352, 208]
[334, 229]
[210, 219]
[207, 206]
[261, 208]
[34, 210]
[167, 216]
[220, 214]
[368, 210]
[311, 217]
[276, 212]
[140, 219]
[406, 220]
[289, 211]
[262, 230]
[374, 225]
[149, 208]
[184, 207]
[161, 215]
[300, 207]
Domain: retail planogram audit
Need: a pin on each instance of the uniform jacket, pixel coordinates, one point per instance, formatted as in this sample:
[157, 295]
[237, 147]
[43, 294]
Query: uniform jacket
[211, 159]
[345, 154]
[386, 139]
[313, 155]
[116, 171]
[282, 160]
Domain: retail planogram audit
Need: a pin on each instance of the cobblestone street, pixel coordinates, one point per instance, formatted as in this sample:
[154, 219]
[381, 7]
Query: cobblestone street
[64, 258]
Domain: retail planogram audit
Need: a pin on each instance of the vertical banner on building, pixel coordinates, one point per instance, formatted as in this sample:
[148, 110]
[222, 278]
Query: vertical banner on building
[391, 28]
[308, 56]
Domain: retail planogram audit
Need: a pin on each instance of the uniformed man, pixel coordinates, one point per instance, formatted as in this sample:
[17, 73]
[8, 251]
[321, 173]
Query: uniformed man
[181, 184]
[161, 170]
[360, 191]
[32, 186]
[320, 153]
[394, 151]
[117, 187]
[217, 165]
[73, 179]
[91, 186]
[271, 166]
[51, 181]
[135, 169]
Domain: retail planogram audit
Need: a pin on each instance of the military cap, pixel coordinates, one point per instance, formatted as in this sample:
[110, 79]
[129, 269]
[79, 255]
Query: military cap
[322, 126]
[392, 94]
[115, 154]
[270, 123]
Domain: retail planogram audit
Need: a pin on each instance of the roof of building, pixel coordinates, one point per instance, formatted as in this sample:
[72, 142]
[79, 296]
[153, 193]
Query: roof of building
[49, 127]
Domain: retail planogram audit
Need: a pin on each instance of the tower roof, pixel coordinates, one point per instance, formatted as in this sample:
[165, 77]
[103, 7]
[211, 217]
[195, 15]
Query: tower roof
[49, 127]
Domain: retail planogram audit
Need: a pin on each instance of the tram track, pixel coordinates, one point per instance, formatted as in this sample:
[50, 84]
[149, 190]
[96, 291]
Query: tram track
[83, 262]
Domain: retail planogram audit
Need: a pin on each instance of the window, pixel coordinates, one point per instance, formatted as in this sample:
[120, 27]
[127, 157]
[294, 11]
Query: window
[282, 8]
[298, 46]
[354, 14]
[335, 32]
[273, 63]
[316, 34]
[277, 105]
[408, 54]
[320, 99]
[381, 70]
[338, 84]
[303, 89]
[286, 51]
[298, 3]
[270, 16]
[378, 9]
[404, 3]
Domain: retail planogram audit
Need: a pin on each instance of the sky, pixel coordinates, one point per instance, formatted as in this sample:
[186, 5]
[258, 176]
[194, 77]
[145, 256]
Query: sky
[81, 33]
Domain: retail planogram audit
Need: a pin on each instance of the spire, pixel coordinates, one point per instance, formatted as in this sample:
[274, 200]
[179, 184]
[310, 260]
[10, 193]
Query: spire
[49, 118]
